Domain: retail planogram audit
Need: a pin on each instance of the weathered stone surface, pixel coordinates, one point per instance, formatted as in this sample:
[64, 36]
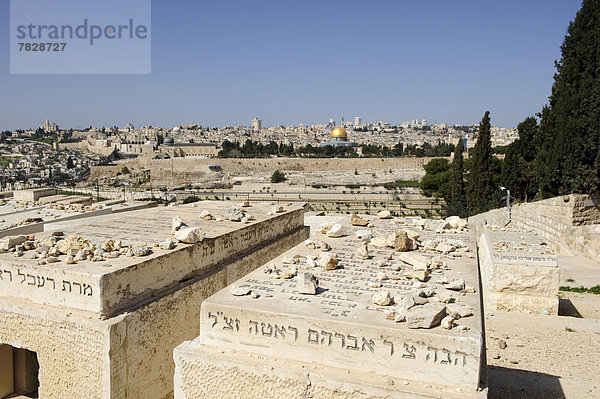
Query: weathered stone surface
[336, 231]
[448, 322]
[418, 262]
[141, 250]
[380, 242]
[239, 291]
[206, 215]
[364, 235]
[382, 298]
[235, 214]
[358, 221]
[362, 252]
[425, 316]
[308, 284]
[455, 285]
[177, 223]
[384, 215]
[328, 261]
[72, 242]
[167, 244]
[456, 222]
[459, 309]
[402, 242]
[189, 235]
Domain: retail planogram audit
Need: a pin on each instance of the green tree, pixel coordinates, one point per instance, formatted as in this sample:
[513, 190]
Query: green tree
[457, 203]
[569, 156]
[518, 168]
[436, 181]
[480, 185]
[278, 177]
[125, 170]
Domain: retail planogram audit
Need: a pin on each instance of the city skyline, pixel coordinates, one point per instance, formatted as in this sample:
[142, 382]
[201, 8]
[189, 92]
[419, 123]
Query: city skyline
[219, 65]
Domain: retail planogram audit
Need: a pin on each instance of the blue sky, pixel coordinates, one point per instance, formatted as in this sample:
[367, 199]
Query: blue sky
[224, 62]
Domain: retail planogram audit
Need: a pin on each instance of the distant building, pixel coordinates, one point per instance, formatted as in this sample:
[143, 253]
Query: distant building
[339, 138]
[357, 121]
[256, 124]
[50, 127]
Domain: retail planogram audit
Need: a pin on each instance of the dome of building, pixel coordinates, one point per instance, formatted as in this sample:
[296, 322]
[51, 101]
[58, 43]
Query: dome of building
[339, 132]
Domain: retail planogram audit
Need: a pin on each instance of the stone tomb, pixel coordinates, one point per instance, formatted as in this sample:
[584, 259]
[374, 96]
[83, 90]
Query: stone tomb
[519, 271]
[336, 343]
[107, 329]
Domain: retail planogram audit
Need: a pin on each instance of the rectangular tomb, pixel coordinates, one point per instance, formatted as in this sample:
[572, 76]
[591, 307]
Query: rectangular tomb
[519, 271]
[339, 343]
[107, 327]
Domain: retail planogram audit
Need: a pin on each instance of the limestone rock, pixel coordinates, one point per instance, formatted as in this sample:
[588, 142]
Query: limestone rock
[177, 223]
[456, 222]
[206, 215]
[190, 235]
[459, 309]
[382, 298]
[336, 231]
[72, 242]
[328, 261]
[245, 204]
[384, 214]
[235, 214]
[420, 275]
[418, 262]
[425, 316]
[239, 291]
[358, 221]
[402, 242]
[309, 284]
[254, 294]
[456, 285]
[141, 250]
[447, 322]
[71, 260]
[362, 252]
[278, 209]
[364, 235]
[324, 227]
[445, 248]
[10, 242]
[167, 244]
[381, 276]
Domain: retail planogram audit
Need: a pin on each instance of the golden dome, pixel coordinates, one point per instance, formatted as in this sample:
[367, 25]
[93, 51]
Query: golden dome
[339, 132]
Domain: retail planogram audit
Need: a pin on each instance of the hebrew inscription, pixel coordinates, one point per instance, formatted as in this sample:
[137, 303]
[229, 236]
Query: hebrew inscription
[43, 281]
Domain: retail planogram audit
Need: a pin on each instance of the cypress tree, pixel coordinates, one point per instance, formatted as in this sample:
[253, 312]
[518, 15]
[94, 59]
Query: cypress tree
[518, 166]
[480, 187]
[568, 160]
[458, 199]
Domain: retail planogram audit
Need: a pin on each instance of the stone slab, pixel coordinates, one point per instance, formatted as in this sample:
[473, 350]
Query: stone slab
[340, 327]
[33, 195]
[112, 285]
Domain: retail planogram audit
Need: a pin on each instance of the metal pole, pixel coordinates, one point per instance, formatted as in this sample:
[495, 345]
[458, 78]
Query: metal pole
[508, 205]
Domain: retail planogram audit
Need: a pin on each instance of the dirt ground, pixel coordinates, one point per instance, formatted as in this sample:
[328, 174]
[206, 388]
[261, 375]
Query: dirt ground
[545, 356]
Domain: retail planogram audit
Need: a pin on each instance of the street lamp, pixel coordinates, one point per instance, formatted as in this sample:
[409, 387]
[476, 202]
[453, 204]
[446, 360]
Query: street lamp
[507, 203]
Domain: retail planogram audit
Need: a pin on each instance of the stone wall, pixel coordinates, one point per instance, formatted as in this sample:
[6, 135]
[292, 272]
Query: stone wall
[569, 222]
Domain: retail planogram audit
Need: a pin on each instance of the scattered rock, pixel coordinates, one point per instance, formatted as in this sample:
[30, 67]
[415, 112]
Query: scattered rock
[278, 209]
[425, 316]
[364, 235]
[402, 242]
[235, 214]
[167, 244]
[336, 231]
[206, 215]
[141, 250]
[447, 322]
[502, 344]
[254, 294]
[362, 252]
[384, 215]
[239, 291]
[71, 260]
[418, 262]
[456, 285]
[189, 235]
[381, 276]
[309, 284]
[358, 221]
[380, 242]
[382, 298]
[177, 223]
[72, 242]
[328, 261]
[459, 309]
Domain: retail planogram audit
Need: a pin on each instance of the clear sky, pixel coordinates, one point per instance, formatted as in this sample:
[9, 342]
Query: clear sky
[224, 62]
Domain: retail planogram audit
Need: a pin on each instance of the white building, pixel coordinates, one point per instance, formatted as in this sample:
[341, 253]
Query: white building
[357, 121]
[256, 124]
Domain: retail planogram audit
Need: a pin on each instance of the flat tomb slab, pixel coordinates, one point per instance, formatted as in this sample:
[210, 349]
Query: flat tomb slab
[340, 327]
[109, 286]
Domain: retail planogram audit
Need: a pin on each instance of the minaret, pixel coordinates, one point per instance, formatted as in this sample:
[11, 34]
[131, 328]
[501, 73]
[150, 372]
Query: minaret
[342, 125]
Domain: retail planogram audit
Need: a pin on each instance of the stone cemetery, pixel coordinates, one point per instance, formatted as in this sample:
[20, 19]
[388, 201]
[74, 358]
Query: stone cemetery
[96, 307]
[367, 307]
